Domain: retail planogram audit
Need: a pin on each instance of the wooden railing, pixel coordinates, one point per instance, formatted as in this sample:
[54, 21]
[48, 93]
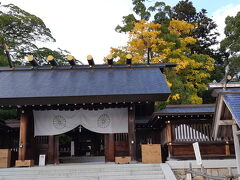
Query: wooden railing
[121, 137]
[192, 132]
[177, 138]
[41, 140]
[188, 131]
[121, 144]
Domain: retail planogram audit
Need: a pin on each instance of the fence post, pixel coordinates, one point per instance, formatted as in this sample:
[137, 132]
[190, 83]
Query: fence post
[189, 174]
[202, 171]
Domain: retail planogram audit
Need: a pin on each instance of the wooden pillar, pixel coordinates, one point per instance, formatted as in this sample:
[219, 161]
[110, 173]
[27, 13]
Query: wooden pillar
[236, 147]
[109, 147]
[23, 136]
[56, 151]
[227, 149]
[168, 131]
[31, 138]
[51, 149]
[106, 147]
[132, 133]
[169, 137]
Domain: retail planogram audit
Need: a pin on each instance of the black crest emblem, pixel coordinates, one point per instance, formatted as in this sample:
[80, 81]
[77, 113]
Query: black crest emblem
[59, 122]
[104, 121]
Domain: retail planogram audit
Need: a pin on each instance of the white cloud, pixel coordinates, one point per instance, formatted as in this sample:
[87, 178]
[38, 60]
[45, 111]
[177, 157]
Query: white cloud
[220, 15]
[82, 27]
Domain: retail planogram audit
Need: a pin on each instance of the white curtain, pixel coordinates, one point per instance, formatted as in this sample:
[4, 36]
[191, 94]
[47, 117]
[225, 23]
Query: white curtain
[55, 122]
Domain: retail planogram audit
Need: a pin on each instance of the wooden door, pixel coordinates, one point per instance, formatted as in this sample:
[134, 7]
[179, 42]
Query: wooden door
[121, 144]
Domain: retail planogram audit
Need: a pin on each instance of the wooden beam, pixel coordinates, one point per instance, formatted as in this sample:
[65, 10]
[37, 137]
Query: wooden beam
[226, 122]
[169, 138]
[237, 133]
[56, 154]
[131, 132]
[109, 147]
[168, 132]
[51, 150]
[217, 116]
[23, 136]
[227, 150]
[106, 147]
[236, 147]
[31, 138]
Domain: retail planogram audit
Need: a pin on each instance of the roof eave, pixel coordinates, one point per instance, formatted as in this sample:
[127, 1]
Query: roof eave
[83, 99]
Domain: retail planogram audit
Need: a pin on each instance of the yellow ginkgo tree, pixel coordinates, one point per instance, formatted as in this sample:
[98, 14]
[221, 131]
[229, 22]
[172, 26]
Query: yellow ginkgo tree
[170, 44]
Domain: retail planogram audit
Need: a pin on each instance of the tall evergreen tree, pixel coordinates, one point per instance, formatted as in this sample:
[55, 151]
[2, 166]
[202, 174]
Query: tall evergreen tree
[231, 44]
[21, 31]
[193, 71]
[204, 30]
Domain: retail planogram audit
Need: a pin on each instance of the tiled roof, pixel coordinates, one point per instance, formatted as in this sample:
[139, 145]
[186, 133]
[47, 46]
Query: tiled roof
[232, 101]
[82, 85]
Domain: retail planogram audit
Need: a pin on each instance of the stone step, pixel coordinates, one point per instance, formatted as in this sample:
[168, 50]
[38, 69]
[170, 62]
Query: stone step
[73, 174]
[79, 170]
[86, 172]
[84, 178]
[59, 178]
[52, 174]
[83, 166]
[82, 159]
[137, 177]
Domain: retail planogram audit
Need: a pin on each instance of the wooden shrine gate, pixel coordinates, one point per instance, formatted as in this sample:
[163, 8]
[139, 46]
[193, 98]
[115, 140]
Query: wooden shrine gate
[31, 147]
[77, 87]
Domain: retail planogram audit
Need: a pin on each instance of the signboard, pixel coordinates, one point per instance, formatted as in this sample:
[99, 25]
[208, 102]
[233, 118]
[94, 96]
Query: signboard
[197, 153]
[42, 159]
[151, 153]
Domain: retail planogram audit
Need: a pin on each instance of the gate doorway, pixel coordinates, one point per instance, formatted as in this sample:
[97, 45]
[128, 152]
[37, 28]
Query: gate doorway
[81, 145]
[88, 147]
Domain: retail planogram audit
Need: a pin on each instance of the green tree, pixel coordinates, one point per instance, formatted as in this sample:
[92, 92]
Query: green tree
[139, 9]
[231, 44]
[206, 34]
[204, 30]
[8, 114]
[41, 55]
[193, 71]
[21, 31]
[3, 59]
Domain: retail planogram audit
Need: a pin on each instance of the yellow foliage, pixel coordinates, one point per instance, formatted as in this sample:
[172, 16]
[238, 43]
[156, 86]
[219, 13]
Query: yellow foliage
[147, 36]
[178, 27]
[176, 97]
[188, 40]
[196, 100]
[169, 84]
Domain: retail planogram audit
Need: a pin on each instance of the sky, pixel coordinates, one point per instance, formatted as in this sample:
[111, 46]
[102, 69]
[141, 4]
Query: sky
[87, 27]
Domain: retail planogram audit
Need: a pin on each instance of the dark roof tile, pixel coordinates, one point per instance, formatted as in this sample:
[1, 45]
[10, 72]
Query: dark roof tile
[18, 87]
[233, 103]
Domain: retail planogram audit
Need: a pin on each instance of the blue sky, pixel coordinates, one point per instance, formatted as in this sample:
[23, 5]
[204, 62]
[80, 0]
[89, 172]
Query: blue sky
[218, 10]
[210, 5]
[87, 27]
[213, 5]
